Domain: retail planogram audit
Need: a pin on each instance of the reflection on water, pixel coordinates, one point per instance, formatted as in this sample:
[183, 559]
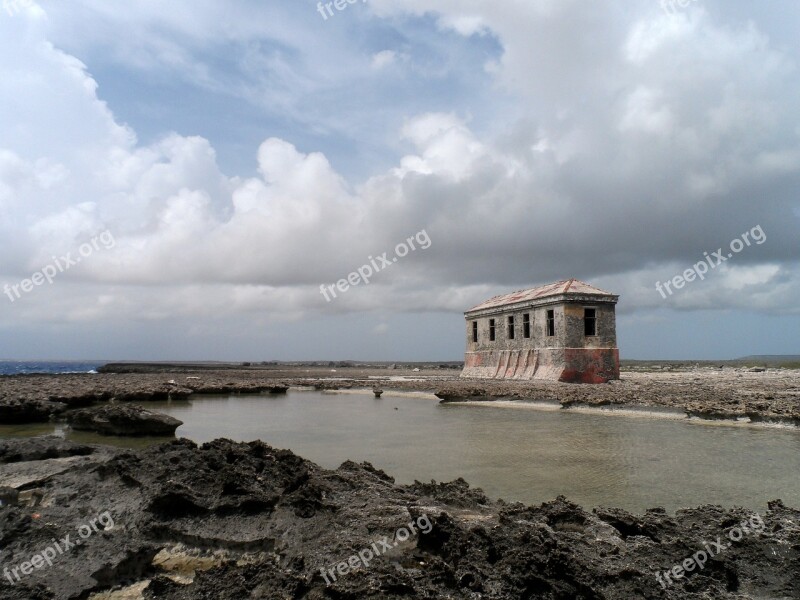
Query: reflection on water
[514, 453]
[82, 437]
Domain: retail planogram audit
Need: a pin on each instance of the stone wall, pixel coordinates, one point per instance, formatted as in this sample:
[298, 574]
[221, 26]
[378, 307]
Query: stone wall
[569, 355]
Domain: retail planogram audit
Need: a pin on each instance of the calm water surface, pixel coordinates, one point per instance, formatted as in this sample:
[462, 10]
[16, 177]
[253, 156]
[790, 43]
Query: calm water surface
[517, 453]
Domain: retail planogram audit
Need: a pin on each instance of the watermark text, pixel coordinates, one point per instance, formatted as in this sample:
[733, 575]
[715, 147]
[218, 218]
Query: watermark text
[376, 264]
[669, 6]
[14, 7]
[712, 261]
[59, 265]
[59, 547]
[698, 560]
[367, 555]
[326, 8]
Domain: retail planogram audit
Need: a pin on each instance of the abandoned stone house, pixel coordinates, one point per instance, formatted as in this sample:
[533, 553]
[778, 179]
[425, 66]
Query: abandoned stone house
[563, 331]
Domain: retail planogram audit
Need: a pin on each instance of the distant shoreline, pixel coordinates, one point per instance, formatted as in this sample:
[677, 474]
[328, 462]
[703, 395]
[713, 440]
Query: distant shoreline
[28, 367]
[765, 361]
[719, 392]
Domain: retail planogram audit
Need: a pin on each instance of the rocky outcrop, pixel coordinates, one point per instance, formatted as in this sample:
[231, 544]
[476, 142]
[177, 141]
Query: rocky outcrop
[229, 521]
[123, 419]
[40, 448]
[770, 396]
[236, 387]
[25, 410]
[8, 496]
[452, 393]
[39, 398]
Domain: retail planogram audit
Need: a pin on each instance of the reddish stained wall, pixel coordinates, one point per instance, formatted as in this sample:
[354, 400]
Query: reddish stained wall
[596, 365]
[570, 365]
[474, 359]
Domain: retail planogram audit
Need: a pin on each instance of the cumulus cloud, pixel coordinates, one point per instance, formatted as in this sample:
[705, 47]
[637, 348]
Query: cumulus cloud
[383, 59]
[646, 139]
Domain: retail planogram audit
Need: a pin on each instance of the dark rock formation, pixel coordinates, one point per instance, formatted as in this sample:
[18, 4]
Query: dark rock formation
[25, 410]
[230, 521]
[123, 419]
[453, 393]
[8, 496]
[40, 398]
[40, 448]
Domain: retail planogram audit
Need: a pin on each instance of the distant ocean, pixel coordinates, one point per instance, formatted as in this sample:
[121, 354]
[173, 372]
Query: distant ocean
[17, 367]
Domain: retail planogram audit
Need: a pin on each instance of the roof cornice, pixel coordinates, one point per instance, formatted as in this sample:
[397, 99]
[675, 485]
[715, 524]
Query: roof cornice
[548, 300]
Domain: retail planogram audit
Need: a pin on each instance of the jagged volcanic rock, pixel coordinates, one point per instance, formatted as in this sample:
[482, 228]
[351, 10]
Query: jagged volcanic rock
[232, 521]
[123, 419]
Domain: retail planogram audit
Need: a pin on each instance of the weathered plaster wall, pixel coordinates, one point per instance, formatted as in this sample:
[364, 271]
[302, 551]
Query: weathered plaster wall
[569, 355]
[606, 326]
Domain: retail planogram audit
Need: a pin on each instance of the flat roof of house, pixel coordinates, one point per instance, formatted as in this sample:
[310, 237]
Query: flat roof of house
[559, 288]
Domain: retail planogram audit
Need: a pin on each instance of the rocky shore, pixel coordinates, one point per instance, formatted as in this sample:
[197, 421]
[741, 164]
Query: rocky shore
[771, 395]
[41, 398]
[231, 521]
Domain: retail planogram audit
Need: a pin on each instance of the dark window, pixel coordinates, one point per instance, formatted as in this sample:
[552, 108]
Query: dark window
[491, 330]
[589, 321]
[474, 331]
[511, 328]
[526, 325]
[551, 323]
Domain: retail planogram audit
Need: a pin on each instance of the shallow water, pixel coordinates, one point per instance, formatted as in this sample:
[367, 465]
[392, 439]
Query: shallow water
[512, 452]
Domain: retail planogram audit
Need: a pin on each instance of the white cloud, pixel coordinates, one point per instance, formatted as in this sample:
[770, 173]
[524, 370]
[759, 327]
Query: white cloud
[646, 113]
[641, 145]
[384, 58]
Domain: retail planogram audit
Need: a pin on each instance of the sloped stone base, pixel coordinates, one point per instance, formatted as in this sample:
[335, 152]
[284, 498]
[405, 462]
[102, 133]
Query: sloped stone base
[572, 365]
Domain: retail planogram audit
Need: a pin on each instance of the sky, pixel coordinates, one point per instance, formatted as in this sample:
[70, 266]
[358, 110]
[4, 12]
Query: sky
[198, 180]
